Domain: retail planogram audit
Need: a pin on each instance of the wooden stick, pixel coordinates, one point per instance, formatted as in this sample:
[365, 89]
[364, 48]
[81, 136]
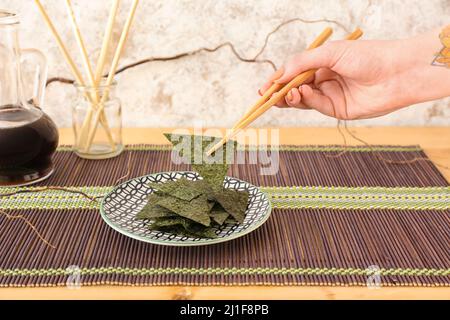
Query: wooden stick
[325, 35]
[294, 83]
[106, 41]
[76, 73]
[80, 42]
[122, 40]
[60, 43]
[113, 68]
[86, 123]
[101, 62]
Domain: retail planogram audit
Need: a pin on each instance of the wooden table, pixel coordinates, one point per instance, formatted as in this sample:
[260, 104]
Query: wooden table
[436, 143]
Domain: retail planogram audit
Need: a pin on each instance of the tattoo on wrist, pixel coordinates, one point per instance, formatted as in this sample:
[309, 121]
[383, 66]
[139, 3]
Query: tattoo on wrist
[442, 58]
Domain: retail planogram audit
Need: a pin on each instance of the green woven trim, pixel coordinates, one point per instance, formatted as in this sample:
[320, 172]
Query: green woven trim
[163, 147]
[227, 271]
[428, 198]
[51, 199]
[335, 148]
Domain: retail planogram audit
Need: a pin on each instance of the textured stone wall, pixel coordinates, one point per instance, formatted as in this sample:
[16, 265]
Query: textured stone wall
[214, 88]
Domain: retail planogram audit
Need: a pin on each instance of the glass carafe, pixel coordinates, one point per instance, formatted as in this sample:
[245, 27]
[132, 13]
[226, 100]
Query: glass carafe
[28, 137]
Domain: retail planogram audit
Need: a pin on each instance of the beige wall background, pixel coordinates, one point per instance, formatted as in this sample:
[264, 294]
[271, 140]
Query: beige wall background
[214, 89]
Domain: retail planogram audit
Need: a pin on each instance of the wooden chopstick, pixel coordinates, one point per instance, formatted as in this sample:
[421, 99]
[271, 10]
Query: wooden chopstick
[274, 99]
[326, 33]
[321, 38]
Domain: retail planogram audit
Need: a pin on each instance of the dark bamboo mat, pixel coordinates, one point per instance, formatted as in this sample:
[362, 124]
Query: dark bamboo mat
[315, 167]
[296, 246]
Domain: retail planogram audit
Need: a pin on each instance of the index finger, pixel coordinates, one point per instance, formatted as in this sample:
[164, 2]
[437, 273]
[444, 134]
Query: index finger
[276, 75]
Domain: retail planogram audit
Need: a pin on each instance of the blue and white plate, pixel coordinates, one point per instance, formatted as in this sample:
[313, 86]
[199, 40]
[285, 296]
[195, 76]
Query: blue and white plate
[120, 206]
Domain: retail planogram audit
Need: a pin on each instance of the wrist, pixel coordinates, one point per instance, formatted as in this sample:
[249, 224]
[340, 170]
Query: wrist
[420, 80]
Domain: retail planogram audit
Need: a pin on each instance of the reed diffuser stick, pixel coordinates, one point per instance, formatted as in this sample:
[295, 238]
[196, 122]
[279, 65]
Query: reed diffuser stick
[62, 47]
[80, 42]
[106, 41]
[113, 68]
[85, 128]
[95, 97]
[73, 68]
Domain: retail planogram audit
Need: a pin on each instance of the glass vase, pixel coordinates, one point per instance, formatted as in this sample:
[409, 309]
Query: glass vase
[97, 122]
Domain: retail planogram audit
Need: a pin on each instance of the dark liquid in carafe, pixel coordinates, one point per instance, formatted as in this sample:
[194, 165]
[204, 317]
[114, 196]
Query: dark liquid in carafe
[27, 143]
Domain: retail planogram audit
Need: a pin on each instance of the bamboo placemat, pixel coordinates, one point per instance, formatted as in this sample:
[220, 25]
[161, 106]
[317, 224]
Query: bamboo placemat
[336, 221]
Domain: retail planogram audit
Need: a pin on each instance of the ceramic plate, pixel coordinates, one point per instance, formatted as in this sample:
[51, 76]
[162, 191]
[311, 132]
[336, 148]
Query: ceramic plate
[119, 208]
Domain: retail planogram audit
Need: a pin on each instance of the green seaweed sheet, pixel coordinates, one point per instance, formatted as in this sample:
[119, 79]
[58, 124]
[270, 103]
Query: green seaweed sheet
[196, 208]
[182, 188]
[192, 149]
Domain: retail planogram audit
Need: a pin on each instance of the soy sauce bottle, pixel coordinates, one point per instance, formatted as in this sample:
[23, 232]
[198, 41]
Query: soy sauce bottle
[28, 137]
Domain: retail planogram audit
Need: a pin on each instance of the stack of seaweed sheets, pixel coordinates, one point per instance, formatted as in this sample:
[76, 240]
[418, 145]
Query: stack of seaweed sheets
[196, 208]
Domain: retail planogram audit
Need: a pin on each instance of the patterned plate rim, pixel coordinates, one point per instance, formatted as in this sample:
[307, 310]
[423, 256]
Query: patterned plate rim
[189, 243]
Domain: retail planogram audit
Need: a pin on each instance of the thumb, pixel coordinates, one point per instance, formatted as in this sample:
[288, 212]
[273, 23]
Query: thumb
[324, 56]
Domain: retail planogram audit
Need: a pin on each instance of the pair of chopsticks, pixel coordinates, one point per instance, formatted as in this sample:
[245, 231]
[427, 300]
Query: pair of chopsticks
[277, 92]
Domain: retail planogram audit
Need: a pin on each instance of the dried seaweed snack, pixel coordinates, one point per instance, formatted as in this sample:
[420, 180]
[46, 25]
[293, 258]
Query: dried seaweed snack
[182, 188]
[197, 209]
[234, 202]
[171, 221]
[218, 214]
[202, 232]
[230, 220]
[213, 174]
[152, 211]
[198, 145]
[212, 169]
[182, 226]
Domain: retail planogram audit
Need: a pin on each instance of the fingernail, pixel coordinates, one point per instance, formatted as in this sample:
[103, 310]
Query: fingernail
[289, 95]
[306, 89]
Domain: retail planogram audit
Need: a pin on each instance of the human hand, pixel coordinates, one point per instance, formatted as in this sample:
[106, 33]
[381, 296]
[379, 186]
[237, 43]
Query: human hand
[364, 79]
